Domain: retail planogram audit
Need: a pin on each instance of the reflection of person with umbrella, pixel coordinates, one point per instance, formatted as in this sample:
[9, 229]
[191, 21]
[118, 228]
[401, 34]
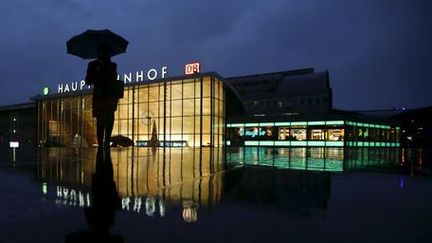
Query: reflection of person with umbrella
[100, 216]
[102, 73]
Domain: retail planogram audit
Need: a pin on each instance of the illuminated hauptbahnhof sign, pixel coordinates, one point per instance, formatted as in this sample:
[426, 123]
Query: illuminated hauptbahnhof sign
[138, 76]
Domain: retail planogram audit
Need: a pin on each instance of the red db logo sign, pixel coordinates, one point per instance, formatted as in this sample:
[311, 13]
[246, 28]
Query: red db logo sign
[192, 68]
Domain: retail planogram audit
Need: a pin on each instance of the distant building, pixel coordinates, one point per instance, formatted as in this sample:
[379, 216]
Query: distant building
[297, 91]
[18, 124]
[416, 125]
[295, 108]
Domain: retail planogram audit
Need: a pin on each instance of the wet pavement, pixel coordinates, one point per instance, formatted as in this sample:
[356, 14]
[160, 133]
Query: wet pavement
[213, 195]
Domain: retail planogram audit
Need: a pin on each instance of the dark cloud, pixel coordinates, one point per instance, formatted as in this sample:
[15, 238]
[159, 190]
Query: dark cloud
[378, 52]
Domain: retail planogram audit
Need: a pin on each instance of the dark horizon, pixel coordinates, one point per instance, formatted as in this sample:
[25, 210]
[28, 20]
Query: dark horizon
[377, 53]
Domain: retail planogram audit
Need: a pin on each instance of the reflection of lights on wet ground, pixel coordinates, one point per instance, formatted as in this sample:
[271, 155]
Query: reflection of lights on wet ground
[13, 156]
[190, 213]
[125, 203]
[150, 205]
[402, 157]
[162, 208]
[44, 188]
[137, 203]
[401, 182]
[420, 156]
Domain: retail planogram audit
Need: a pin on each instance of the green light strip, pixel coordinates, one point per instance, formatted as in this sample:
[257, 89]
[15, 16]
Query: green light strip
[316, 143]
[266, 124]
[298, 123]
[295, 143]
[282, 143]
[251, 124]
[251, 143]
[334, 143]
[334, 122]
[298, 143]
[316, 123]
[282, 123]
[266, 143]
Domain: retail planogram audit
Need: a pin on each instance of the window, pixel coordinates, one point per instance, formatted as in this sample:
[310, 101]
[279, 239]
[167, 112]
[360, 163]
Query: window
[298, 134]
[317, 134]
[283, 133]
[336, 134]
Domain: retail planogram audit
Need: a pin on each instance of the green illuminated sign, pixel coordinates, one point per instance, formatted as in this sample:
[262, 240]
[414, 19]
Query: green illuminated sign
[45, 90]
[252, 133]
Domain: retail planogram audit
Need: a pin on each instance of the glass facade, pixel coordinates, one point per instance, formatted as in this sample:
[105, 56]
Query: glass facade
[181, 112]
[336, 133]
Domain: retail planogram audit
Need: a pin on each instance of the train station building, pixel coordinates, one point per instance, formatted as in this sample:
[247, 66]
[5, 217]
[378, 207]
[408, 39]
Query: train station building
[288, 108]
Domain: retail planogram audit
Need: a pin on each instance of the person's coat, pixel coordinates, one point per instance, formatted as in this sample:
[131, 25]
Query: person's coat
[101, 74]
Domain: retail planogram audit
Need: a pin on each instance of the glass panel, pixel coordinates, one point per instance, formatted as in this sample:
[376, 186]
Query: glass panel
[206, 87]
[188, 125]
[197, 124]
[206, 124]
[176, 108]
[206, 106]
[176, 89]
[176, 125]
[188, 90]
[206, 140]
[143, 94]
[188, 107]
[197, 89]
[197, 107]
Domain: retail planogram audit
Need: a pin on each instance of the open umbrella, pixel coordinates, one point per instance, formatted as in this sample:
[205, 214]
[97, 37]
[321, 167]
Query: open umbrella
[86, 44]
[121, 141]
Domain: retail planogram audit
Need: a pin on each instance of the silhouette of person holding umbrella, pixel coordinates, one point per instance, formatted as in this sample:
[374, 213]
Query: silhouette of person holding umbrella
[102, 72]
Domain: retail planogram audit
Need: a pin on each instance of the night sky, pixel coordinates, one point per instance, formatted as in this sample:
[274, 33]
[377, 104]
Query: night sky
[378, 52]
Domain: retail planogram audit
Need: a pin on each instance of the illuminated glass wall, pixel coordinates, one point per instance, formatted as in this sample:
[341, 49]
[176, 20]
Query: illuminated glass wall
[188, 112]
[66, 121]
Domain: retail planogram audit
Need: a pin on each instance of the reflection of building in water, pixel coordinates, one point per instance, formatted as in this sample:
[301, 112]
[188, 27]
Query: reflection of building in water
[145, 178]
[319, 159]
[178, 174]
[315, 159]
[372, 159]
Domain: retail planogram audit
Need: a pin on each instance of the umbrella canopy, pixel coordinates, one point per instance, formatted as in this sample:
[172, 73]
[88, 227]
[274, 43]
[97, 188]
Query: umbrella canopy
[86, 44]
[122, 141]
